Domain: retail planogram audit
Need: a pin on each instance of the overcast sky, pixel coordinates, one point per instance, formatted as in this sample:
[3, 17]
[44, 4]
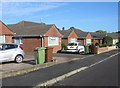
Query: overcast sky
[87, 16]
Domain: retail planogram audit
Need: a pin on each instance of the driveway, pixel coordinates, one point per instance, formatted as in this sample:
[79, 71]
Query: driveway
[29, 61]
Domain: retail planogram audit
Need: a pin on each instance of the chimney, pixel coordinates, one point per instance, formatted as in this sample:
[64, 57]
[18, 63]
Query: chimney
[63, 28]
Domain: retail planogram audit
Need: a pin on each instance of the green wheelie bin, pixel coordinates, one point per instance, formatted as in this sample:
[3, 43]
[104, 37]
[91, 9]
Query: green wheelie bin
[86, 49]
[39, 55]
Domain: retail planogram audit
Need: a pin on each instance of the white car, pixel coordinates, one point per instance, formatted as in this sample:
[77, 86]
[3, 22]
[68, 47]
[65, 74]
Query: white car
[75, 47]
[11, 52]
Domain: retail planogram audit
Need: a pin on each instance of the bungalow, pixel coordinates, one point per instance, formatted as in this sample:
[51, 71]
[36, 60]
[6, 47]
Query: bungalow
[6, 34]
[115, 37]
[98, 37]
[73, 34]
[31, 35]
[84, 37]
[69, 36]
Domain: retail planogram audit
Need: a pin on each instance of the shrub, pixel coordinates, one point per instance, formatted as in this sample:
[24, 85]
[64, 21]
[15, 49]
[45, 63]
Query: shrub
[108, 41]
[64, 46]
[96, 44]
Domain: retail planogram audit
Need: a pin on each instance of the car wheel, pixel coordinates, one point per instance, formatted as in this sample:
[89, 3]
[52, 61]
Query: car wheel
[19, 58]
[81, 52]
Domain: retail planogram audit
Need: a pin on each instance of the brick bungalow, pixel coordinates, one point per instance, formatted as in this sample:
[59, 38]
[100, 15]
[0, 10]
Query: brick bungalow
[69, 36]
[6, 33]
[73, 34]
[97, 37]
[31, 35]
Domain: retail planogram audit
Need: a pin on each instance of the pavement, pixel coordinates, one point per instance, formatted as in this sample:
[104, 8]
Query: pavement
[56, 72]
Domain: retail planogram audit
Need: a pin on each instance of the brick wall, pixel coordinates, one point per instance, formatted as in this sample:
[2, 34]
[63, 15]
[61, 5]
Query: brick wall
[97, 41]
[88, 37]
[53, 32]
[72, 35]
[8, 39]
[65, 40]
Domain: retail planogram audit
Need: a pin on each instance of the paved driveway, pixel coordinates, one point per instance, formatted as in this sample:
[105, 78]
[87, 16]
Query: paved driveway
[29, 61]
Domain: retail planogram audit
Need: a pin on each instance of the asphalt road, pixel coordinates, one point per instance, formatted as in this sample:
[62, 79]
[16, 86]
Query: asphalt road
[42, 75]
[102, 74]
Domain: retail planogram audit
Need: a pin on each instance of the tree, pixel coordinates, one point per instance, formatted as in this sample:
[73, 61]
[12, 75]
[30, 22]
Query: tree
[101, 31]
[107, 40]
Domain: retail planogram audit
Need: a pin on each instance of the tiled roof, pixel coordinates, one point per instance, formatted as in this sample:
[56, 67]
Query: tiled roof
[98, 35]
[114, 35]
[26, 28]
[65, 33]
[4, 29]
[80, 33]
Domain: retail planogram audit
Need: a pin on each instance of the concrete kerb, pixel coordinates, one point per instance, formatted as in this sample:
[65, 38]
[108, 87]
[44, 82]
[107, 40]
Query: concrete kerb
[25, 71]
[36, 67]
[57, 79]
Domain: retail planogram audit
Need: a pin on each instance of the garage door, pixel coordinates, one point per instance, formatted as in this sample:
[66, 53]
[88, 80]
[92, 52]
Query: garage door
[2, 39]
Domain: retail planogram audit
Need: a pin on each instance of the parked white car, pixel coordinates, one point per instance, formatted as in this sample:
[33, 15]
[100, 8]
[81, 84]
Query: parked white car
[11, 52]
[75, 47]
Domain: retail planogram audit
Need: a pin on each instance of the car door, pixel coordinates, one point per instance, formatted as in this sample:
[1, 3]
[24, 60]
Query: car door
[2, 54]
[8, 51]
[81, 47]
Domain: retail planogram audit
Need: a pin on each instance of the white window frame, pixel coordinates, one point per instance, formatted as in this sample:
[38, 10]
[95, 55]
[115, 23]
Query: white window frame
[18, 40]
[53, 41]
[73, 39]
[88, 41]
[3, 38]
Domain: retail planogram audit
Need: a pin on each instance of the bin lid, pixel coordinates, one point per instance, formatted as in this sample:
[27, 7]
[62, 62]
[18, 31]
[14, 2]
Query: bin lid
[41, 48]
[36, 48]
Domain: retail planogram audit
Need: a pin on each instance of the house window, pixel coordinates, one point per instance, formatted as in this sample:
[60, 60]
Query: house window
[53, 41]
[88, 41]
[18, 41]
[73, 39]
[2, 38]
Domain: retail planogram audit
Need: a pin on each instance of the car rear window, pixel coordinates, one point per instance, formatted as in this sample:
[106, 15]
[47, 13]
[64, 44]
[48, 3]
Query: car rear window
[72, 44]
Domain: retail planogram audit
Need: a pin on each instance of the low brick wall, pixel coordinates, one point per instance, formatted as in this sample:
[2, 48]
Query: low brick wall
[103, 49]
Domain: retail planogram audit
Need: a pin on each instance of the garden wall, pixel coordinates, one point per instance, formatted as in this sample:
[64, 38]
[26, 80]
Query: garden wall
[103, 49]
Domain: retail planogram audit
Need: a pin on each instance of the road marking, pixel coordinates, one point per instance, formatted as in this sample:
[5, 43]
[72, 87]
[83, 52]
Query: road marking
[104, 59]
[57, 79]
